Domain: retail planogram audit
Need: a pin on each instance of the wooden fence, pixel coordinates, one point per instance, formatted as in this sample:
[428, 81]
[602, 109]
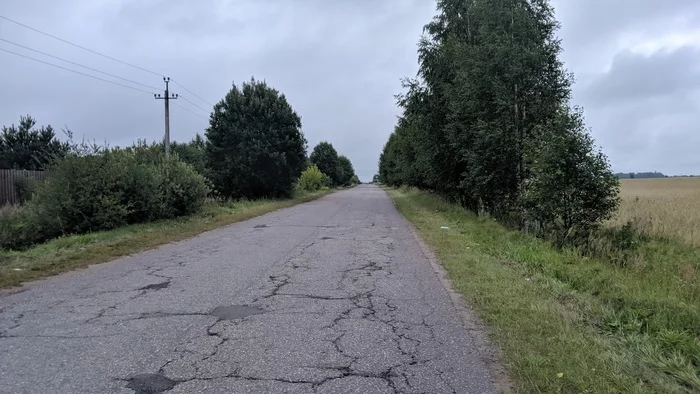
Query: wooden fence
[13, 183]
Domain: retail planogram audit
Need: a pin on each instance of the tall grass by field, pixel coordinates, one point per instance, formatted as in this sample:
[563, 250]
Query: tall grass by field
[666, 207]
[567, 323]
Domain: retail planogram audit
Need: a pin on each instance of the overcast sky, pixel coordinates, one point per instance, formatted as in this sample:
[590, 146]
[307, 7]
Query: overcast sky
[637, 65]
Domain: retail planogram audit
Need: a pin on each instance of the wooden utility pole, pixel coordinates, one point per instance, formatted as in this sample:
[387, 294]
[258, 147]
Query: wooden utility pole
[167, 97]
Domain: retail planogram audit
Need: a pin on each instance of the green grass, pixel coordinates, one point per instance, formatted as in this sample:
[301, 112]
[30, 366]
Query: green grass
[566, 323]
[78, 251]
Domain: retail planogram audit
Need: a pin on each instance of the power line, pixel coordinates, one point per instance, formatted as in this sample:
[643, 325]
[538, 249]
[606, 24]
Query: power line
[186, 99]
[74, 71]
[79, 46]
[189, 110]
[192, 93]
[77, 64]
[99, 54]
[96, 53]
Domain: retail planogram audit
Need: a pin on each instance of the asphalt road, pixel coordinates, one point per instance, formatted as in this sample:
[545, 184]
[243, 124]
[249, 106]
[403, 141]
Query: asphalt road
[332, 296]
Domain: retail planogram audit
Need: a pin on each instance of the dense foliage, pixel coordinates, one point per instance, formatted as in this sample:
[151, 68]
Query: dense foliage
[103, 191]
[489, 95]
[24, 147]
[571, 188]
[325, 157]
[346, 171]
[312, 179]
[338, 168]
[255, 146]
[192, 153]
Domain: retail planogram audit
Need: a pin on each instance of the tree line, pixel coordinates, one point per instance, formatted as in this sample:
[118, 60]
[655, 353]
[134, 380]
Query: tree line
[640, 175]
[253, 148]
[487, 121]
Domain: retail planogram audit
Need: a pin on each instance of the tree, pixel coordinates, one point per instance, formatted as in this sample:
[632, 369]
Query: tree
[325, 157]
[489, 89]
[23, 147]
[389, 171]
[572, 188]
[347, 172]
[255, 146]
[192, 153]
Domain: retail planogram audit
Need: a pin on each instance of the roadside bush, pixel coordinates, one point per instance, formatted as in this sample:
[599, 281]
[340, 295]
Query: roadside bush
[17, 227]
[83, 194]
[192, 153]
[618, 244]
[102, 192]
[312, 179]
[23, 188]
[182, 188]
[572, 189]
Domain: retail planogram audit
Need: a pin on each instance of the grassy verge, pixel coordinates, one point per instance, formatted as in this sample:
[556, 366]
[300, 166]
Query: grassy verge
[68, 253]
[566, 323]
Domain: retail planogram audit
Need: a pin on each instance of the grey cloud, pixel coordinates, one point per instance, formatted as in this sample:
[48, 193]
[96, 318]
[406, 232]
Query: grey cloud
[636, 77]
[593, 30]
[643, 110]
[657, 133]
[603, 18]
[641, 107]
[646, 138]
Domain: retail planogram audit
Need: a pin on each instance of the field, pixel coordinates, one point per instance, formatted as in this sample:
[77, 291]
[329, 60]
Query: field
[666, 207]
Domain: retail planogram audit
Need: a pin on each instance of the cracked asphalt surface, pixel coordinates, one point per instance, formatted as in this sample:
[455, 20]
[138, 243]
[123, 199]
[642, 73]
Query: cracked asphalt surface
[331, 296]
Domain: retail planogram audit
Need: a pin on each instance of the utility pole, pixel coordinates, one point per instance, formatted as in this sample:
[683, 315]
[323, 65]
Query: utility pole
[167, 97]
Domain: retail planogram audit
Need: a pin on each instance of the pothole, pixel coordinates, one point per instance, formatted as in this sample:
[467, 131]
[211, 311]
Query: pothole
[150, 383]
[233, 312]
[156, 286]
[261, 226]
[326, 238]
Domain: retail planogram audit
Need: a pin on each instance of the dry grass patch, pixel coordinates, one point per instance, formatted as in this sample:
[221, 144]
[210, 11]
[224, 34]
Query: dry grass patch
[666, 207]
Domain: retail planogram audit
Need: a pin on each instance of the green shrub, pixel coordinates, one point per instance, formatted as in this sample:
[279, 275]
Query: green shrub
[618, 244]
[312, 179]
[100, 192]
[83, 194]
[17, 227]
[182, 188]
[572, 189]
[23, 188]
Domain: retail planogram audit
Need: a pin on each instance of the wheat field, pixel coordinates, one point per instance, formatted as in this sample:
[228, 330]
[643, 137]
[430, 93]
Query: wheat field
[666, 207]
